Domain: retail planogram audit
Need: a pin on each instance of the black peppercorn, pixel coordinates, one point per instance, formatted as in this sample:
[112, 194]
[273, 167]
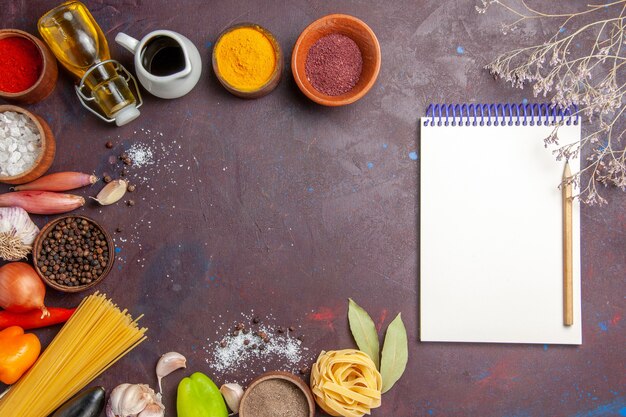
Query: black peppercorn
[68, 254]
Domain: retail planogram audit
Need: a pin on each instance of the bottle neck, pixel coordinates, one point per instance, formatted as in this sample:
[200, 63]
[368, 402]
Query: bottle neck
[109, 90]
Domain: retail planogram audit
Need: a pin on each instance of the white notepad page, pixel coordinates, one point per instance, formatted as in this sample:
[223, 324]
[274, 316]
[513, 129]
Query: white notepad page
[491, 230]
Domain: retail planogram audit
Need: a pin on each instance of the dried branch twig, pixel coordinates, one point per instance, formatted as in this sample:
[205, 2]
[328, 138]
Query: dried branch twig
[593, 79]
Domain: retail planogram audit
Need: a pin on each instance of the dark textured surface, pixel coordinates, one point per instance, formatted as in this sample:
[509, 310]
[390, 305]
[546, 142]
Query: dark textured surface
[287, 208]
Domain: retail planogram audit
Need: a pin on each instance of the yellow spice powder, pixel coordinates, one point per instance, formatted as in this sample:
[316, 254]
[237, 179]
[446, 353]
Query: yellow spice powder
[245, 58]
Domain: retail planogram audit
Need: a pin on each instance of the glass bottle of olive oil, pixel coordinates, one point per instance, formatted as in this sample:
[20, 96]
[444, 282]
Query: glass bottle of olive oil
[77, 41]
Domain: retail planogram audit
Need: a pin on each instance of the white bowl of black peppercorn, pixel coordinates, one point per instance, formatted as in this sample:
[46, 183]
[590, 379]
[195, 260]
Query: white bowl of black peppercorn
[73, 253]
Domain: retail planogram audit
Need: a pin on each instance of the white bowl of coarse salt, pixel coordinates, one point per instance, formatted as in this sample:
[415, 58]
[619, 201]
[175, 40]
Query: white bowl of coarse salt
[27, 146]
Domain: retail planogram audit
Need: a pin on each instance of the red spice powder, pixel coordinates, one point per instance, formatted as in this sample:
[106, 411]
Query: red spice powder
[20, 64]
[333, 64]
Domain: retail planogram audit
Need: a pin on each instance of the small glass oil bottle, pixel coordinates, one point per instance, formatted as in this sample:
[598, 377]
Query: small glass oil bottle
[77, 41]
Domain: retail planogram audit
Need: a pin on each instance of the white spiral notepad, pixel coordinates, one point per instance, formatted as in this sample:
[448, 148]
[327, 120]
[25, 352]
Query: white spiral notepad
[491, 225]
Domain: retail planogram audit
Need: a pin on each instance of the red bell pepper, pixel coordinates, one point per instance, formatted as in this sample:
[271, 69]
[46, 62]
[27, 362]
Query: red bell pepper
[33, 320]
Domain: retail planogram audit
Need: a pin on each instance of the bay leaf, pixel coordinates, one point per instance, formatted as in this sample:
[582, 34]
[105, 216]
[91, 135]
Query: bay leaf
[364, 331]
[395, 353]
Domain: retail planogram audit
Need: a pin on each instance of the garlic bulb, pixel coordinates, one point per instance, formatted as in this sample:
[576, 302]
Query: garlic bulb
[168, 363]
[232, 394]
[17, 233]
[134, 400]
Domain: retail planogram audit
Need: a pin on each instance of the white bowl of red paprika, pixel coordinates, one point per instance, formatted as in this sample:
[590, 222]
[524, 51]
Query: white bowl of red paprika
[28, 70]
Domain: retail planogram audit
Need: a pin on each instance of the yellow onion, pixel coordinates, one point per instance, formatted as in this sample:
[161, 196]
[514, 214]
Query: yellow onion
[21, 289]
[346, 383]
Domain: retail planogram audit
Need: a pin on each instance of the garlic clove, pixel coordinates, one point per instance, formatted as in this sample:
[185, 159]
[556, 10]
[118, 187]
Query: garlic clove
[139, 400]
[168, 363]
[232, 394]
[112, 192]
[153, 410]
[115, 398]
[130, 399]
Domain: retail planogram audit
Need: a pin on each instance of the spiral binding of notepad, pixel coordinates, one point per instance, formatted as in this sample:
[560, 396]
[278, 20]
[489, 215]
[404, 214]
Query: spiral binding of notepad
[500, 115]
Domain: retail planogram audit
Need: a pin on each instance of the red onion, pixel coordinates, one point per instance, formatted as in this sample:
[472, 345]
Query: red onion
[59, 181]
[41, 202]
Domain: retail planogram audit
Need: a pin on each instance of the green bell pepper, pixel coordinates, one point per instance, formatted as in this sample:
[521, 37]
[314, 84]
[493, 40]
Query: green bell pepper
[198, 396]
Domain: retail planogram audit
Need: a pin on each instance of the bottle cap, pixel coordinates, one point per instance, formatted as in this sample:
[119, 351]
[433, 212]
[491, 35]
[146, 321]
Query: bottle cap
[126, 115]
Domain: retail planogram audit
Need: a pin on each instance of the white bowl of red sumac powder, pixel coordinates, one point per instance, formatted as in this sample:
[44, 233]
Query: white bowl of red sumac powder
[336, 60]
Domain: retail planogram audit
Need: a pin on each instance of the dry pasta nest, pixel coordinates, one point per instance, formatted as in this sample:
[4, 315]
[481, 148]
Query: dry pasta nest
[346, 383]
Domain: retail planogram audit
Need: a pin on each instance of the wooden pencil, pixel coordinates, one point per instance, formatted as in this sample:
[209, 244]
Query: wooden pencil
[568, 298]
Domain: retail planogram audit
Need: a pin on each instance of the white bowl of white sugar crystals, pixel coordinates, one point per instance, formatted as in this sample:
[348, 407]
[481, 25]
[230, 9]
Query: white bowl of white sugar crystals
[27, 146]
